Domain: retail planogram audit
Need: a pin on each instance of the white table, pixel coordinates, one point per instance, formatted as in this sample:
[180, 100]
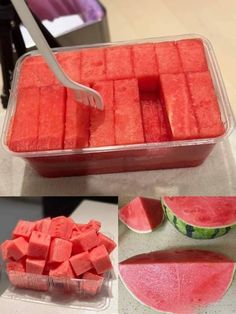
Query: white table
[107, 214]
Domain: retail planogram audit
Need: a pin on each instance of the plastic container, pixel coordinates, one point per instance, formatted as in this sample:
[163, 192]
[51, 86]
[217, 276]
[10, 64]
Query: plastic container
[122, 158]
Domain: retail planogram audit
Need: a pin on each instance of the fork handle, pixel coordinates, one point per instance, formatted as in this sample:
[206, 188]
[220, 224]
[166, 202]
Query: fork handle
[41, 43]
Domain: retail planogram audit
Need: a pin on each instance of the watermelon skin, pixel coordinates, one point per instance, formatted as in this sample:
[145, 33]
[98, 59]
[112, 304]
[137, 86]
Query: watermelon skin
[121, 56]
[142, 215]
[93, 65]
[24, 132]
[145, 66]
[181, 212]
[127, 104]
[205, 104]
[76, 124]
[192, 278]
[102, 123]
[178, 106]
[51, 118]
[192, 55]
[168, 58]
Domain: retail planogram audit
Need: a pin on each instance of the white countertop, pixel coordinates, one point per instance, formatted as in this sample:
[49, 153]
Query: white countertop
[107, 214]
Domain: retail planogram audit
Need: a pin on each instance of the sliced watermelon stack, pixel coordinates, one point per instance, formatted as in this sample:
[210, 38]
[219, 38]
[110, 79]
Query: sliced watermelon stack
[152, 92]
[58, 248]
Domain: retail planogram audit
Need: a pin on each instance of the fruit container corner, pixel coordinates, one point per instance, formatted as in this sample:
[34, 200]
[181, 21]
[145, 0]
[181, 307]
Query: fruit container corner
[123, 158]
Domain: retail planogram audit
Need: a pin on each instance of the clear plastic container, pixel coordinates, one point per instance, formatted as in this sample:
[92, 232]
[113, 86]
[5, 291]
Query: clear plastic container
[133, 157]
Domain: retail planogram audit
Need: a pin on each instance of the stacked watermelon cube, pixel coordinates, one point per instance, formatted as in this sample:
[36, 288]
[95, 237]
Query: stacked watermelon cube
[152, 92]
[58, 248]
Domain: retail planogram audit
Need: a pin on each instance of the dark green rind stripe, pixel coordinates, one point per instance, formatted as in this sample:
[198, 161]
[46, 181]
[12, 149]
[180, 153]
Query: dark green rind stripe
[192, 231]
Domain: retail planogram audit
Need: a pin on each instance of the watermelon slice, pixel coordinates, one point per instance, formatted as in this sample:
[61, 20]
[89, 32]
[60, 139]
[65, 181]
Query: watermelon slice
[102, 123]
[39, 244]
[192, 55]
[145, 66]
[119, 63]
[60, 250]
[93, 65]
[177, 281]
[168, 58]
[154, 124]
[61, 227]
[201, 217]
[178, 105]
[35, 266]
[77, 123]
[25, 124]
[205, 104]
[51, 118]
[142, 215]
[127, 104]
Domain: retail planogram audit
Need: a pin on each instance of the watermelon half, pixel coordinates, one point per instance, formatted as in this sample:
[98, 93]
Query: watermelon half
[177, 281]
[201, 217]
[142, 214]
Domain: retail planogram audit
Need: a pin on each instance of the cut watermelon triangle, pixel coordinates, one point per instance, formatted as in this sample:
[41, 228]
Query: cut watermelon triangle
[177, 281]
[142, 215]
[201, 217]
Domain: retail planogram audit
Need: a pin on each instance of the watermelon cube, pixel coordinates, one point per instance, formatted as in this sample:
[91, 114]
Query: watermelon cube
[77, 123]
[109, 244]
[24, 132]
[84, 241]
[63, 270]
[15, 266]
[39, 244]
[178, 106]
[35, 266]
[81, 263]
[145, 66]
[94, 224]
[60, 250]
[17, 248]
[43, 225]
[192, 55]
[119, 63]
[205, 104]
[100, 259]
[93, 65]
[92, 283]
[155, 127]
[127, 104]
[61, 227]
[70, 63]
[168, 58]
[102, 124]
[51, 118]
[23, 229]
[4, 250]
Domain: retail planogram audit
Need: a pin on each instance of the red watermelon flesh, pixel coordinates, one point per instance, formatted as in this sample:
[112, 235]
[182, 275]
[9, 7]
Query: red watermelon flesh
[51, 118]
[127, 104]
[24, 130]
[178, 106]
[85, 241]
[39, 244]
[142, 214]
[77, 123]
[205, 104]
[168, 58]
[119, 63]
[204, 211]
[145, 66]
[192, 55]
[92, 283]
[102, 123]
[17, 248]
[63, 270]
[93, 65]
[60, 250]
[70, 63]
[100, 259]
[23, 229]
[43, 225]
[95, 224]
[154, 125]
[4, 250]
[81, 263]
[109, 244]
[61, 227]
[35, 266]
[177, 281]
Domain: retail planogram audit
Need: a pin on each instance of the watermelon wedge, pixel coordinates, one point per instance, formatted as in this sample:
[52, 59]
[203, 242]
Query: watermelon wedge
[201, 217]
[142, 214]
[177, 281]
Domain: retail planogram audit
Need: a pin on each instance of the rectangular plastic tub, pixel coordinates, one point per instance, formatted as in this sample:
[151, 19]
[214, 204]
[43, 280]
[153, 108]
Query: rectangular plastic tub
[122, 158]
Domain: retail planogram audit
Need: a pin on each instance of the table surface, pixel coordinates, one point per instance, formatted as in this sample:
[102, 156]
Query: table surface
[107, 214]
[131, 19]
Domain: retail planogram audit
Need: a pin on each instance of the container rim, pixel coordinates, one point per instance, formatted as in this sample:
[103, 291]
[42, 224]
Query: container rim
[217, 80]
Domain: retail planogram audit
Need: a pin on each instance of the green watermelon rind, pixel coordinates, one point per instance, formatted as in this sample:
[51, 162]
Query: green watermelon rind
[191, 231]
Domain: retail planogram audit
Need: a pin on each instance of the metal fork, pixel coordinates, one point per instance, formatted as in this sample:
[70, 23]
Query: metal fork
[84, 94]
